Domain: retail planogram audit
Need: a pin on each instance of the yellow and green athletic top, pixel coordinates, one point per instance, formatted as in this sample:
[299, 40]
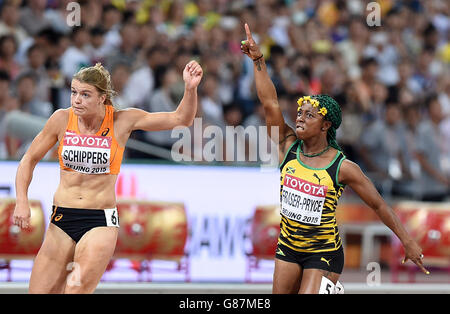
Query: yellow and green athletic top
[308, 200]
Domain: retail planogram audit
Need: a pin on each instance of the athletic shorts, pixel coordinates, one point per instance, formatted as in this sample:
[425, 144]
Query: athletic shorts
[75, 222]
[332, 261]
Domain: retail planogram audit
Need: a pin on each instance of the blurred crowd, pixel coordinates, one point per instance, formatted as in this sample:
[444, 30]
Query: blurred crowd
[392, 81]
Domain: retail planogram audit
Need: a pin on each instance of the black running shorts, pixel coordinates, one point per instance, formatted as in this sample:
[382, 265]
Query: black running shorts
[75, 222]
[332, 261]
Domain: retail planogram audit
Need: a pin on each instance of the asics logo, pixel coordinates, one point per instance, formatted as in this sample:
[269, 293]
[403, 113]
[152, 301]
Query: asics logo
[105, 132]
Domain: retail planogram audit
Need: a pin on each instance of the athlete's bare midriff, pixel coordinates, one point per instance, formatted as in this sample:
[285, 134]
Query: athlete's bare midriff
[78, 190]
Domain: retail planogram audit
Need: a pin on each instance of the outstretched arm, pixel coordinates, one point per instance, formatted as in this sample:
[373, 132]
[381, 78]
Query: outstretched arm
[266, 90]
[351, 175]
[184, 114]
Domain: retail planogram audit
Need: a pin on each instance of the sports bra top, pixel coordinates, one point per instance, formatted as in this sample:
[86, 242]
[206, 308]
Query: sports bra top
[90, 154]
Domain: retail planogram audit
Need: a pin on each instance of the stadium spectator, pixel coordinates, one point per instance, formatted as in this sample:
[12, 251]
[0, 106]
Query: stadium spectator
[8, 146]
[380, 149]
[36, 65]
[8, 49]
[9, 22]
[142, 81]
[119, 77]
[210, 102]
[32, 16]
[410, 182]
[431, 152]
[165, 99]
[26, 86]
[76, 57]
[127, 49]
[311, 47]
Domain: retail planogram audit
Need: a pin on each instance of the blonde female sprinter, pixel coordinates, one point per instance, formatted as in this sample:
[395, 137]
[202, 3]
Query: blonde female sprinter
[92, 136]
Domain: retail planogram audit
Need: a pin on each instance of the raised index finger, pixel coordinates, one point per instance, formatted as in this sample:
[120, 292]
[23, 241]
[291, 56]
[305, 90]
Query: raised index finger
[247, 32]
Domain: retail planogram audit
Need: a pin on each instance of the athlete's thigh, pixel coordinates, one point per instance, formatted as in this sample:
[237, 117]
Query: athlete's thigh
[49, 271]
[92, 255]
[286, 277]
[312, 278]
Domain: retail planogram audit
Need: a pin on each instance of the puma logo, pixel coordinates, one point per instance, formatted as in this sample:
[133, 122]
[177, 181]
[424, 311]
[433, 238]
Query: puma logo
[324, 260]
[317, 177]
[280, 252]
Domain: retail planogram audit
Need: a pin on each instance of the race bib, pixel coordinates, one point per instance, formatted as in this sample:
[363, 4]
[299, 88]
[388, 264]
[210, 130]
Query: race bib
[88, 154]
[112, 217]
[302, 201]
[327, 286]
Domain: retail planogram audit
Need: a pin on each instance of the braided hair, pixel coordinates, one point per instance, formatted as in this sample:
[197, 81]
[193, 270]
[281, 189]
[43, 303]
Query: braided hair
[333, 114]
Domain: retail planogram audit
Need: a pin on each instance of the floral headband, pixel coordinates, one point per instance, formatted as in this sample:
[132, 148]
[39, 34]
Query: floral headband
[314, 102]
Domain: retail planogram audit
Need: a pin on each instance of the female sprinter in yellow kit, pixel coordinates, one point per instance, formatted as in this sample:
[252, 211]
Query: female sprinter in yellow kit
[314, 172]
[92, 135]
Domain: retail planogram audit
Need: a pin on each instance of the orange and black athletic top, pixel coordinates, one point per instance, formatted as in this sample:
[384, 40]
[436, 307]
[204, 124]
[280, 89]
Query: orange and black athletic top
[90, 154]
[308, 200]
